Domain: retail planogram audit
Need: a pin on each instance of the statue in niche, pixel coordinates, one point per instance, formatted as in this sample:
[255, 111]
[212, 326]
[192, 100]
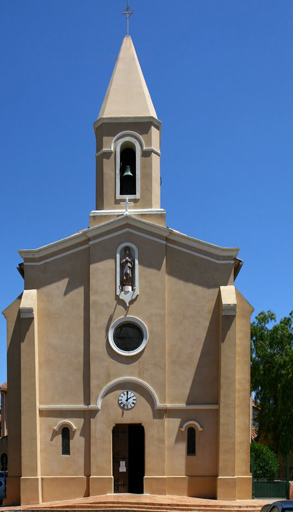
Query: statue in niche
[127, 264]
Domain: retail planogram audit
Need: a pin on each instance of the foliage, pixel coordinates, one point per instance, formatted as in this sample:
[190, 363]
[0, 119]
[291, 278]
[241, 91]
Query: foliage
[266, 463]
[272, 379]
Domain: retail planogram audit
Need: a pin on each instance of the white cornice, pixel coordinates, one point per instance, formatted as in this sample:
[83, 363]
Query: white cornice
[142, 119]
[176, 236]
[141, 211]
[127, 219]
[59, 245]
[126, 230]
[60, 407]
[141, 227]
[94, 407]
[52, 258]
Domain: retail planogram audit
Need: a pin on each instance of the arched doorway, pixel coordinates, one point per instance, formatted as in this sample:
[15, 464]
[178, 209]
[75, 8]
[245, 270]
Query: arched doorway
[128, 458]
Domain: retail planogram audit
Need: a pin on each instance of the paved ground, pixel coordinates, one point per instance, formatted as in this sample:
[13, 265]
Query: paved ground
[146, 502]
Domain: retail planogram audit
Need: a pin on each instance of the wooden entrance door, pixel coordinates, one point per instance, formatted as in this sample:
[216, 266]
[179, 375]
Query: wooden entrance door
[128, 458]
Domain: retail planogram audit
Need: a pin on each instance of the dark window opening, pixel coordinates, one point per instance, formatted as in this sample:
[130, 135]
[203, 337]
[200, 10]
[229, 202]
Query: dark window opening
[65, 435]
[128, 172]
[191, 441]
[4, 462]
[128, 336]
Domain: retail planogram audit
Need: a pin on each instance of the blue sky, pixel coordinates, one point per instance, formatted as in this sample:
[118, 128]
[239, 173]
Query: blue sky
[220, 73]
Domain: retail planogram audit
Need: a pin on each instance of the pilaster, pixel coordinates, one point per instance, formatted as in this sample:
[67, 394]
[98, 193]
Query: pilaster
[30, 435]
[234, 479]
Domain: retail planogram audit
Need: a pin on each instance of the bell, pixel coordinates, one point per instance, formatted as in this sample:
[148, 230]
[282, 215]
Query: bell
[127, 171]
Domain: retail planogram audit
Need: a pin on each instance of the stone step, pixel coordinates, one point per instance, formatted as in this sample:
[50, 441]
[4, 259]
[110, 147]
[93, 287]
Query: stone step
[141, 509]
[180, 507]
[142, 503]
[146, 507]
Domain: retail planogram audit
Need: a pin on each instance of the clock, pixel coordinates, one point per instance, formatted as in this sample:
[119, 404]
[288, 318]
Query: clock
[127, 400]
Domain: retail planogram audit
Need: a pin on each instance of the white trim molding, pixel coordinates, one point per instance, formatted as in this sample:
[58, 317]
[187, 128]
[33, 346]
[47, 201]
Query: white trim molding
[63, 407]
[127, 296]
[128, 119]
[132, 142]
[136, 211]
[130, 224]
[126, 380]
[102, 151]
[65, 423]
[191, 423]
[129, 133]
[94, 407]
[132, 320]
[153, 394]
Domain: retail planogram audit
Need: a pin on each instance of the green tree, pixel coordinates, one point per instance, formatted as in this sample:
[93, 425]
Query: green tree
[272, 379]
[265, 462]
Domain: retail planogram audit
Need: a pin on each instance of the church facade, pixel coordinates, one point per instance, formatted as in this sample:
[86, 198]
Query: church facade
[129, 348]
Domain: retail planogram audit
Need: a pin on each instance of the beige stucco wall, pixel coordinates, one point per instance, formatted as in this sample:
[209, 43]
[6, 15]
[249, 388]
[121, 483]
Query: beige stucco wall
[150, 307]
[63, 295]
[234, 480]
[194, 356]
[149, 165]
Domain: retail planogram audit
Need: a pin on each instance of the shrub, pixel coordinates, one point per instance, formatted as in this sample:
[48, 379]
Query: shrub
[266, 463]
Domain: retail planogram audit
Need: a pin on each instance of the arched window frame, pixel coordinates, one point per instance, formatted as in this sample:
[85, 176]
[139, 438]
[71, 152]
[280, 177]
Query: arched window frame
[127, 296]
[60, 428]
[136, 147]
[191, 424]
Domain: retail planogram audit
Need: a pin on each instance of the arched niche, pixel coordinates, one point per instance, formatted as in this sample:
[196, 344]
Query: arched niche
[127, 287]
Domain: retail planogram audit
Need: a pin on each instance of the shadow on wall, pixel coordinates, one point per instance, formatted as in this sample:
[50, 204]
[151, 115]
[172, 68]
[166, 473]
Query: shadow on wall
[206, 375]
[196, 270]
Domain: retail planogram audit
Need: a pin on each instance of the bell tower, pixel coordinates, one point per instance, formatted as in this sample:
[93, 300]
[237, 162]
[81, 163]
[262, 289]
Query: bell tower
[128, 139]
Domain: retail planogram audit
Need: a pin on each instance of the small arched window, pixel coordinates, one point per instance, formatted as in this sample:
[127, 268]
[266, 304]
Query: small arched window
[65, 441]
[191, 441]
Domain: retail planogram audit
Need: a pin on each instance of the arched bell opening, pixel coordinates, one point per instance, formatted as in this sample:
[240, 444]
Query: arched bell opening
[128, 153]
[128, 170]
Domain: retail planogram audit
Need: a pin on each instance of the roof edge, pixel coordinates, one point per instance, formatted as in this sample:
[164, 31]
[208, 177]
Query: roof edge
[127, 119]
[169, 234]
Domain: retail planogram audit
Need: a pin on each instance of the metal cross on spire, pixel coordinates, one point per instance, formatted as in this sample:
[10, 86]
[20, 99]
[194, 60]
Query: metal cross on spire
[128, 12]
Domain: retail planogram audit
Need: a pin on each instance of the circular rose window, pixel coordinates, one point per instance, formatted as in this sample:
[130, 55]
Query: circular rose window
[128, 336]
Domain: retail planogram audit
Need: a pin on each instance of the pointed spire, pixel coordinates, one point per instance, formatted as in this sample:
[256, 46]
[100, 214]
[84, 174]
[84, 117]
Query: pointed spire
[127, 94]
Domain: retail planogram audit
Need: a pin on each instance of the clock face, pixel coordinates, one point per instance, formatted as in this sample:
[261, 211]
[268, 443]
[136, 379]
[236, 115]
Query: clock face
[127, 400]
